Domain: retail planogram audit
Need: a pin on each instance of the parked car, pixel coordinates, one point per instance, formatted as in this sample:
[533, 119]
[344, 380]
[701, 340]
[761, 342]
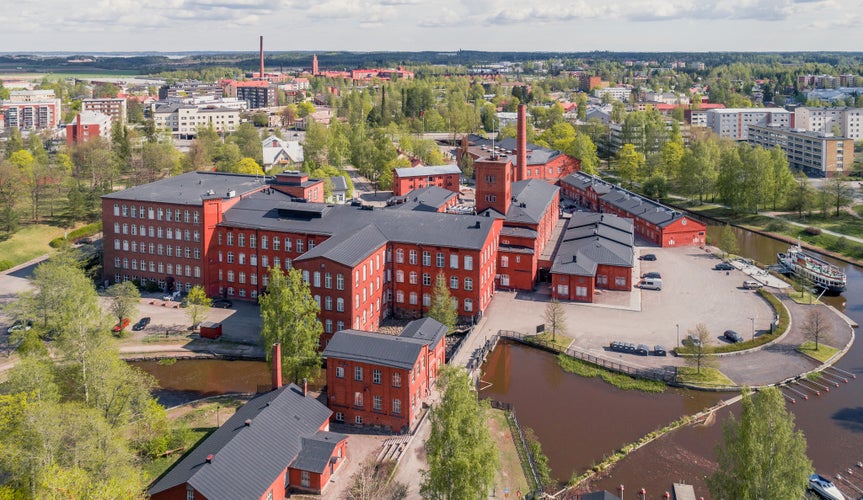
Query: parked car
[659, 350]
[651, 284]
[752, 285]
[141, 324]
[222, 303]
[615, 345]
[20, 324]
[642, 350]
[692, 341]
[647, 256]
[732, 336]
[119, 327]
[723, 266]
[652, 274]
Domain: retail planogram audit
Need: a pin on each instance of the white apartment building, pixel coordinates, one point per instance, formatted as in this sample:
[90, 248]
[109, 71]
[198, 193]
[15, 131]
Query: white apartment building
[733, 123]
[111, 106]
[183, 121]
[816, 153]
[618, 93]
[849, 120]
[31, 95]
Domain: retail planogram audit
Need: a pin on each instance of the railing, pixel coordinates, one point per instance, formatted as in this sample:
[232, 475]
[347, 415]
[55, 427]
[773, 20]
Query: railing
[667, 375]
[479, 355]
[524, 454]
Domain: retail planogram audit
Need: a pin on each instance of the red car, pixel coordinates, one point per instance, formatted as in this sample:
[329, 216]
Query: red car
[119, 327]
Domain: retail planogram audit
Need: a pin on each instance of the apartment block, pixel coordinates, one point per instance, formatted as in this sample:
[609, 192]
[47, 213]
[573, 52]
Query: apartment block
[733, 123]
[848, 120]
[113, 107]
[87, 126]
[818, 154]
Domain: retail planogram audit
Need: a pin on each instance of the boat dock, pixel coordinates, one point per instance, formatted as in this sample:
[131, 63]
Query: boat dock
[684, 491]
[758, 274]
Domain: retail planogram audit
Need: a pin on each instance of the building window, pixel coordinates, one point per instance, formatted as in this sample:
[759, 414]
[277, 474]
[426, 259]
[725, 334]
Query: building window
[426, 258]
[229, 238]
[468, 263]
[275, 243]
[426, 300]
[413, 298]
[468, 305]
[400, 297]
[340, 281]
[241, 240]
[190, 493]
[358, 374]
[328, 303]
[305, 479]
[328, 280]
[230, 275]
[305, 276]
[504, 261]
[453, 261]
[328, 326]
[358, 419]
[376, 376]
[453, 282]
[377, 403]
[253, 241]
[316, 279]
[400, 276]
[426, 279]
[397, 379]
[230, 257]
[340, 304]
[468, 284]
[340, 417]
[412, 257]
[358, 399]
[620, 281]
[413, 278]
[439, 259]
[340, 325]
[299, 245]
[397, 406]
[400, 256]
[581, 291]
[340, 372]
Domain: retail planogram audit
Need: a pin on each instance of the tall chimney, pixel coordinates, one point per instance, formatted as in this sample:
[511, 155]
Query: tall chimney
[262, 57]
[277, 366]
[314, 65]
[521, 159]
[305, 386]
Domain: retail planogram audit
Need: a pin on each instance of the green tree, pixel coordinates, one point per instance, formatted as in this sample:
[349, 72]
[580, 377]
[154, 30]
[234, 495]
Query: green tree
[655, 186]
[443, 308]
[583, 148]
[124, 301]
[783, 179]
[197, 304]
[248, 140]
[288, 115]
[698, 172]
[728, 241]
[248, 166]
[762, 455]
[290, 318]
[555, 318]
[840, 194]
[628, 163]
[802, 196]
[305, 109]
[581, 106]
[462, 458]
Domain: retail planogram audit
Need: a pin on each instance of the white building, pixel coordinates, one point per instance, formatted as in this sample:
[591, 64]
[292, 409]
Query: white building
[183, 121]
[733, 123]
[618, 93]
[113, 107]
[849, 120]
[280, 151]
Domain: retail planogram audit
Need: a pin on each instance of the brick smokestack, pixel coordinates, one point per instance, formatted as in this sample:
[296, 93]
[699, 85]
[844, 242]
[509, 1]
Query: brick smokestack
[521, 147]
[305, 387]
[314, 65]
[262, 57]
[277, 366]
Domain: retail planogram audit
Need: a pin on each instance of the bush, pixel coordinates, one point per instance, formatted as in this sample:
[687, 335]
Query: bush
[776, 226]
[814, 231]
[78, 234]
[5, 264]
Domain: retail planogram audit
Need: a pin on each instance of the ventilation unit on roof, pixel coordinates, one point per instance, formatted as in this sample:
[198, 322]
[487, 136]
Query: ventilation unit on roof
[248, 422]
[575, 258]
[210, 192]
[231, 194]
[210, 458]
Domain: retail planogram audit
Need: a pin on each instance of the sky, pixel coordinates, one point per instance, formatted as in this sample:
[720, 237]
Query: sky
[441, 25]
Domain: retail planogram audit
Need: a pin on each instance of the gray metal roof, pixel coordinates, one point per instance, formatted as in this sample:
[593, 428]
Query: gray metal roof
[191, 188]
[536, 155]
[428, 170]
[590, 240]
[374, 348]
[518, 232]
[428, 329]
[339, 183]
[638, 206]
[348, 248]
[273, 210]
[429, 197]
[317, 450]
[248, 458]
[530, 201]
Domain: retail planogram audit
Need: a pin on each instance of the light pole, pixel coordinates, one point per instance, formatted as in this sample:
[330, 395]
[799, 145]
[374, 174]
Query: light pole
[753, 327]
[678, 334]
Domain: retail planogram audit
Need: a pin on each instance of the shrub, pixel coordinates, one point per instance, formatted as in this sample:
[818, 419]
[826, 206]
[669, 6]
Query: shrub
[5, 264]
[814, 231]
[77, 234]
[776, 226]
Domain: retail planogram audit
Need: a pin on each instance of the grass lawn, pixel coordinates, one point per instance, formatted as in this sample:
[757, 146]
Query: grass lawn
[561, 342]
[707, 377]
[823, 353]
[619, 380]
[803, 297]
[510, 474]
[29, 242]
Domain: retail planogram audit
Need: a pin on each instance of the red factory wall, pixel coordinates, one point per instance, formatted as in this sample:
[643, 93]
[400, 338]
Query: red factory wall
[342, 393]
[571, 285]
[404, 185]
[684, 232]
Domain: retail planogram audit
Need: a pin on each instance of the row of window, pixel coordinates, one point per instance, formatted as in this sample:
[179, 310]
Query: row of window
[156, 213]
[426, 280]
[157, 267]
[265, 242]
[157, 249]
[178, 285]
[412, 300]
[169, 233]
[377, 405]
[440, 259]
[377, 375]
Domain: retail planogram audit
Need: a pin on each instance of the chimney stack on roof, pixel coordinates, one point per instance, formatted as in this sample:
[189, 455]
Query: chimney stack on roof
[521, 147]
[305, 387]
[277, 366]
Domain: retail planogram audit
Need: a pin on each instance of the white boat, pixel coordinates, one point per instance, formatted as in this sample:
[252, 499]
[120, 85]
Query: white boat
[825, 488]
[822, 274]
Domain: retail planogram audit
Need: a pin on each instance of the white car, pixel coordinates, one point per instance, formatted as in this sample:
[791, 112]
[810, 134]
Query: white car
[20, 324]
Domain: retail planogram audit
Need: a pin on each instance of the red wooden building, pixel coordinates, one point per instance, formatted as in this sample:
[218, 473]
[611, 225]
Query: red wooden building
[596, 251]
[406, 180]
[653, 221]
[382, 380]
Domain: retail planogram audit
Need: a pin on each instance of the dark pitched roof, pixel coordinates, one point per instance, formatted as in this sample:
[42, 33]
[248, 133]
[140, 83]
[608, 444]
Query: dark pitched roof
[348, 248]
[339, 183]
[191, 188]
[518, 232]
[590, 240]
[248, 458]
[427, 198]
[428, 170]
[317, 450]
[274, 211]
[599, 495]
[530, 201]
[374, 348]
[428, 329]
[536, 155]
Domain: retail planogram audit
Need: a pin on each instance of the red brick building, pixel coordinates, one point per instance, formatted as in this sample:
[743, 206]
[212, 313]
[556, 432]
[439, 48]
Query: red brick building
[382, 380]
[298, 185]
[275, 444]
[661, 225]
[406, 180]
[429, 199]
[88, 125]
[596, 251]
[524, 197]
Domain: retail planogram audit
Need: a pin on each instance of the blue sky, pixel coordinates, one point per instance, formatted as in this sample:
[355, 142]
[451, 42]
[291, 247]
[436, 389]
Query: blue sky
[445, 25]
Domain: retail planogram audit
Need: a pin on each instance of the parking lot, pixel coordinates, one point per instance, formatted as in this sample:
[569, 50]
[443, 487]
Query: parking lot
[692, 292]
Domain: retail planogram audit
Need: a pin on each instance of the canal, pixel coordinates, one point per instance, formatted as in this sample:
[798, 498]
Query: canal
[579, 421]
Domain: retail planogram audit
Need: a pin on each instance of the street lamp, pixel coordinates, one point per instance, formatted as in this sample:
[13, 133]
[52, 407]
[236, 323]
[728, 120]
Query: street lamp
[678, 334]
[753, 327]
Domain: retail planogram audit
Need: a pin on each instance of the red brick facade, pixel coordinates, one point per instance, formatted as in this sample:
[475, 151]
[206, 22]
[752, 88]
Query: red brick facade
[406, 180]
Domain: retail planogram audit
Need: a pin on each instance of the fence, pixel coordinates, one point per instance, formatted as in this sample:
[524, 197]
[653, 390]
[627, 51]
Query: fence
[524, 452]
[667, 375]
[479, 355]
